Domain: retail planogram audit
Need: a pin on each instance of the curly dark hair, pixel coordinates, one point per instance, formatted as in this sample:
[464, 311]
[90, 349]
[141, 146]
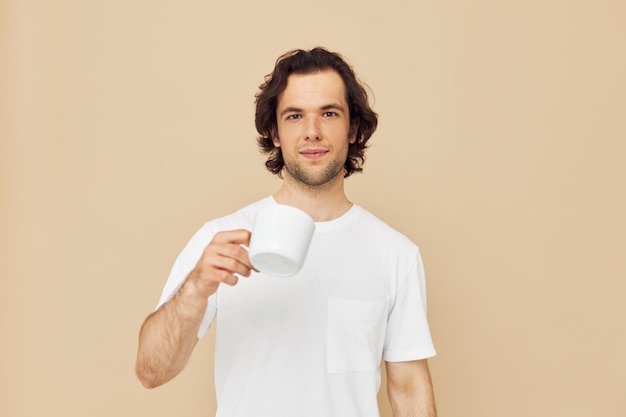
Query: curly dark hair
[299, 61]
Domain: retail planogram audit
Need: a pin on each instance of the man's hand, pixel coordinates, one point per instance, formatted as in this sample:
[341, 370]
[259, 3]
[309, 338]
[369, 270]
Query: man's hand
[221, 260]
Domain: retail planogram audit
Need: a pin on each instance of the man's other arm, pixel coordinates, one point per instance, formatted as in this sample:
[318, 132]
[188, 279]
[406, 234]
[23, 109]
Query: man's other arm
[410, 389]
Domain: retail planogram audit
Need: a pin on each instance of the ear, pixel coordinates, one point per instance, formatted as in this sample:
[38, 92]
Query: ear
[275, 138]
[354, 128]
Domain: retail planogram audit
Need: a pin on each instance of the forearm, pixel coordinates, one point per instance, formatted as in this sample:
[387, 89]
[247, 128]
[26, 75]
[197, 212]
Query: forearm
[415, 404]
[168, 336]
[410, 389]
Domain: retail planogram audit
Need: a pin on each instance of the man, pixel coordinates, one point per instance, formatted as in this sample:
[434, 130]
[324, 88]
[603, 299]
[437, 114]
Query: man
[311, 344]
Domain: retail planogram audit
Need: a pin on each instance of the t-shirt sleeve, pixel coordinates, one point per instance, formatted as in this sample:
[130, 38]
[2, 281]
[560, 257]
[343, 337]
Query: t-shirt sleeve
[182, 267]
[408, 334]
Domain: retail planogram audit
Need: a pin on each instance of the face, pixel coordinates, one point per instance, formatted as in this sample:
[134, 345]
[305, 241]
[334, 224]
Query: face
[314, 129]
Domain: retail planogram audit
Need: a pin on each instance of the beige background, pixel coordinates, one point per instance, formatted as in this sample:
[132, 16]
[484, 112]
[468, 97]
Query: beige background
[126, 124]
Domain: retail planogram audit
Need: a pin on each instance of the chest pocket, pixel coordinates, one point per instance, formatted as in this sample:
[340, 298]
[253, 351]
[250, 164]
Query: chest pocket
[356, 334]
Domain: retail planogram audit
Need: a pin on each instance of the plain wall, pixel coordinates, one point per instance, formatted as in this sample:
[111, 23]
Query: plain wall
[127, 124]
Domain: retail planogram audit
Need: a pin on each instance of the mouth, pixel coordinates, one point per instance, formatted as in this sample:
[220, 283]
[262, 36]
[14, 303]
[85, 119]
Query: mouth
[313, 153]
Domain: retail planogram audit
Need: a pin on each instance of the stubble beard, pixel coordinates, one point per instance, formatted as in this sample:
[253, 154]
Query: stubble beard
[313, 178]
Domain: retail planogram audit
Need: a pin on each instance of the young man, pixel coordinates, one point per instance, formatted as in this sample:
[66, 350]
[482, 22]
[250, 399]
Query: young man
[311, 344]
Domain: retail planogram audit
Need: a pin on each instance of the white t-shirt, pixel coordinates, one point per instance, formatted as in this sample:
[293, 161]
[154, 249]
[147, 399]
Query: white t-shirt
[311, 344]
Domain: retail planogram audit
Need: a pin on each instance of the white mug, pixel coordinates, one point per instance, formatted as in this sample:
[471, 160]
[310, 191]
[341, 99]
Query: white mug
[280, 239]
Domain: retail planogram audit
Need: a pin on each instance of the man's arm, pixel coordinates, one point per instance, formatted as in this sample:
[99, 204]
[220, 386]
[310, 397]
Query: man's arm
[169, 335]
[410, 389]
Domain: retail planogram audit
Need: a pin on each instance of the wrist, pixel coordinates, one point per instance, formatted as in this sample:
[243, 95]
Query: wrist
[191, 295]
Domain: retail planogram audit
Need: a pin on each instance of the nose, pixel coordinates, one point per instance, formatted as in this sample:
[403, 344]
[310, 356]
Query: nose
[313, 129]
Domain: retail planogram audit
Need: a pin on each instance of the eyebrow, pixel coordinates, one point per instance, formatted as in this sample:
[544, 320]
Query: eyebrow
[331, 106]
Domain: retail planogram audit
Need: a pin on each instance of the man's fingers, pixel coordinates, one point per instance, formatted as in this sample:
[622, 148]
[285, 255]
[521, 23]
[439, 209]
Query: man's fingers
[228, 278]
[239, 236]
[224, 260]
[231, 256]
[233, 259]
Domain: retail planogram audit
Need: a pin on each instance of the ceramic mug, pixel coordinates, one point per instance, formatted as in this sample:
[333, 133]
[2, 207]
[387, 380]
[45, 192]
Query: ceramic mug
[280, 239]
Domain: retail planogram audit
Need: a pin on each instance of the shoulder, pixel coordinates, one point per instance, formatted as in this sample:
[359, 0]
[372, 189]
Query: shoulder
[371, 224]
[243, 218]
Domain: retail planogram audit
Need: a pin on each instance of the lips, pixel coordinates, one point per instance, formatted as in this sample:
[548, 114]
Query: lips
[313, 153]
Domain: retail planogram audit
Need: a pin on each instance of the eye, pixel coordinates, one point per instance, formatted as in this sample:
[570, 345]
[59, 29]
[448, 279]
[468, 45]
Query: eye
[293, 117]
[329, 114]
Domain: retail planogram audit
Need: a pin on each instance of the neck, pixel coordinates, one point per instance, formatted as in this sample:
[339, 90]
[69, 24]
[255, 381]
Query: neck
[321, 203]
